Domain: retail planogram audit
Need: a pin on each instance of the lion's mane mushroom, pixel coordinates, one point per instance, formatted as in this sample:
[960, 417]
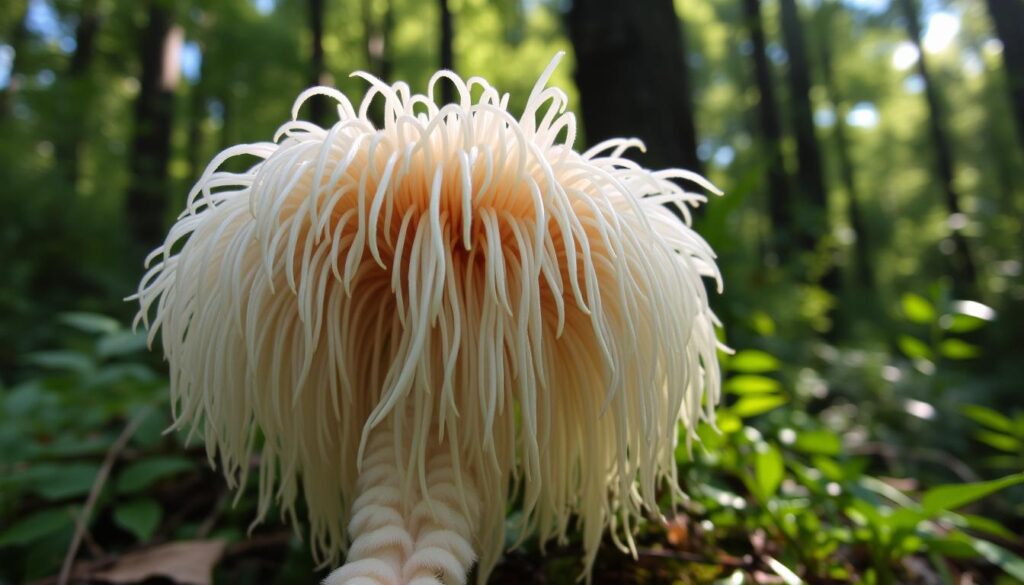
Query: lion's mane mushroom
[416, 324]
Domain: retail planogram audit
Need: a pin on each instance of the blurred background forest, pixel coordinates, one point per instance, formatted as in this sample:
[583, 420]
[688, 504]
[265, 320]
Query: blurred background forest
[870, 238]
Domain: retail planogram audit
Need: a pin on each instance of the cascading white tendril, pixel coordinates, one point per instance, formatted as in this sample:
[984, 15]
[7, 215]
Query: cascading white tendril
[415, 324]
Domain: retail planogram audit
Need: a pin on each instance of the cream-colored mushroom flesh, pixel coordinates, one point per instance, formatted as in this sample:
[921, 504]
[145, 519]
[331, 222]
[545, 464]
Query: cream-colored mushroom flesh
[415, 324]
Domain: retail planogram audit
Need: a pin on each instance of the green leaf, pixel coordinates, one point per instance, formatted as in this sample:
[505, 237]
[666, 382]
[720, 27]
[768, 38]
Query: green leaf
[917, 309]
[58, 482]
[140, 517]
[952, 545]
[753, 361]
[1000, 557]
[121, 343]
[952, 496]
[986, 525]
[151, 430]
[36, 526]
[90, 322]
[1000, 441]
[142, 474]
[769, 469]
[60, 360]
[762, 324]
[958, 349]
[961, 323]
[828, 468]
[749, 384]
[1011, 462]
[865, 514]
[69, 445]
[750, 406]
[914, 348]
[988, 417]
[728, 423]
[819, 442]
[891, 493]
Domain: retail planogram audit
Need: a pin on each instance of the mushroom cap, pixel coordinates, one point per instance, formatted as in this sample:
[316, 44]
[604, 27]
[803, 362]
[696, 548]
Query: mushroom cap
[459, 270]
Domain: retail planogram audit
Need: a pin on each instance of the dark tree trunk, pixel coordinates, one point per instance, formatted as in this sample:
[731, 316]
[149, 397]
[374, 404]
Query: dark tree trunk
[85, 39]
[154, 109]
[317, 105]
[855, 216]
[963, 270]
[387, 58]
[632, 75]
[688, 114]
[812, 210]
[197, 115]
[85, 48]
[378, 50]
[378, 40]
[779, 211]
[18, 40]
[1008, 17]
[446, 51]
[227, 122]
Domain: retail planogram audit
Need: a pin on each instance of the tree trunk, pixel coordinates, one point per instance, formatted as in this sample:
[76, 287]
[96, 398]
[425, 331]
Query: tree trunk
[378, 39]
[317, 104]
[159, 46]
[446, 51]
[862, 242]
[197, 115]
[85, 39]
[963, 270]
[77, 103]
[17, 41]
[633, 80]
[779, 211]
[1008, 17]
[812, 213]
[688, 114]
[378, 50]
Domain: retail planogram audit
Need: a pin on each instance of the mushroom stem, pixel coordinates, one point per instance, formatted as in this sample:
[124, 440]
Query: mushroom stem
[409, 532]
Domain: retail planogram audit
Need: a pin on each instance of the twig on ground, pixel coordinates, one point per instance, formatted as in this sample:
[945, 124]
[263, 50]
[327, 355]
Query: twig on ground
[94, 547]
[211, 519]
[94, 493]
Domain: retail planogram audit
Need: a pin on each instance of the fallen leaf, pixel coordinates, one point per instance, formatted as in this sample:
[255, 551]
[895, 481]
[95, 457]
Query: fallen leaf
[187, 562]
[678, 532]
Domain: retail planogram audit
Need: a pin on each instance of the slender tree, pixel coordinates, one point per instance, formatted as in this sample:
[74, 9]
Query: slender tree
[197, 115]
[317, 67]
[640, 46]
[812, 212]
[159, 46]
[85, 48]
[446, 51]
[1008, 18]
[964, 272]
[18, 39]
[855, 215]
[377, 47]
[378, 39]
[687, 118]
[779, 210]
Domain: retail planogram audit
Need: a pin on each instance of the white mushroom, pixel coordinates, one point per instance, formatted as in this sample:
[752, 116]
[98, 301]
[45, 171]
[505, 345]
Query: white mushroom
[416, 325]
